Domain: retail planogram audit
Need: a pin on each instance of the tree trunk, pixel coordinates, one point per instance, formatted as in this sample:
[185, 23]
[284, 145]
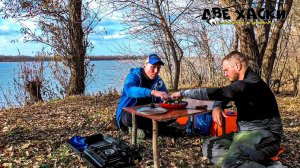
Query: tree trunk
[77, 49]
[248, 45]
[176, 55]
[263, 30]
[176, 75]
[296, 83]
[295, 86]
[235, 43]
[166, 50]
[209, 56]
[34, 90]
[271, 49]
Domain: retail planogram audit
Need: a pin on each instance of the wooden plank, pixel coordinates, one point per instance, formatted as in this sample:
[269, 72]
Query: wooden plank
[171, 114]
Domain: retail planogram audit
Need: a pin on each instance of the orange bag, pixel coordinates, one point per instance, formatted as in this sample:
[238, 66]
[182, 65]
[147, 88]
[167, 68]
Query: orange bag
[182, 120]
[228, 126]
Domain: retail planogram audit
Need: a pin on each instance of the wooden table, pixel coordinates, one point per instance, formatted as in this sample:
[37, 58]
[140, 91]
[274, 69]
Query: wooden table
[171, 114]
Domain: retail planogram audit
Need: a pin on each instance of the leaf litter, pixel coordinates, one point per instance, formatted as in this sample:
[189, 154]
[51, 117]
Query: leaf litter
[36, 135]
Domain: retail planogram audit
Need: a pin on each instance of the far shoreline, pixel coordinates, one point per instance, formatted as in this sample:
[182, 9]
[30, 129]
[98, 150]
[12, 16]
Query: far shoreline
[90, 58]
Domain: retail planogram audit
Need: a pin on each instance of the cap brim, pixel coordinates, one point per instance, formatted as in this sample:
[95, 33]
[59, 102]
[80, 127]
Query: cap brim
[157, 62]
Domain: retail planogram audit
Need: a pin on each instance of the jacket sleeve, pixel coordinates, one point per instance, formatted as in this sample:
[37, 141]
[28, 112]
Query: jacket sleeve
[221, 104]
[226, 93]
[132, 88]
[200, 94]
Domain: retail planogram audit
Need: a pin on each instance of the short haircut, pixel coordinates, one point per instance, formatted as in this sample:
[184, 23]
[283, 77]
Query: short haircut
[146, 61]
[237, 56]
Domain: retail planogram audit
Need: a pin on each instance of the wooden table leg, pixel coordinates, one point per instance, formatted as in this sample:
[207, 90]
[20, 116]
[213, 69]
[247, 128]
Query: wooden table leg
[134, 130]
[155, 144]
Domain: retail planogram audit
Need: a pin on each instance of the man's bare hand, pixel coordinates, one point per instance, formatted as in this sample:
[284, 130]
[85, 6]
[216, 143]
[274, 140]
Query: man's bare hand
[163, 95]
[175, 95]
[217, 115]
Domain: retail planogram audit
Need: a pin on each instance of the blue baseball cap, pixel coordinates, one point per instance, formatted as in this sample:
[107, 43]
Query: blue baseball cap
[154, 59]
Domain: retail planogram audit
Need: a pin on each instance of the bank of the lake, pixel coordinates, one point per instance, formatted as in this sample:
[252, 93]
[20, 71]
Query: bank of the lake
[35, 136]
[24, 58]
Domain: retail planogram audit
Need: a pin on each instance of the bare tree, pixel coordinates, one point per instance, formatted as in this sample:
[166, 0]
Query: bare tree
[156, 23]
[262, 44]
[289, 49]
[271, 47]
[31, 77]
[207, 43]
[64, 26]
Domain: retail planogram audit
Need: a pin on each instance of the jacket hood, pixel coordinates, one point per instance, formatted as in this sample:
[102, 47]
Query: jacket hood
[139, 71]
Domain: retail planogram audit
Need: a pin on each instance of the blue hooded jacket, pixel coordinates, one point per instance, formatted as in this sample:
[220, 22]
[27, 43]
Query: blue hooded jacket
[133, 90]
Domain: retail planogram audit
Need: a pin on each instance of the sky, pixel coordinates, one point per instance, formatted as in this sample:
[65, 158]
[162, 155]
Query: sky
[111, 38]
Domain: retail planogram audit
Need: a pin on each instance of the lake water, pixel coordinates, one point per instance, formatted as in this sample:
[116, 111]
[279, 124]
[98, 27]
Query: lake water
[107, 75]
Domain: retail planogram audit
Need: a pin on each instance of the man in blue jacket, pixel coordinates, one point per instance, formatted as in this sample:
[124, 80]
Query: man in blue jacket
[142, 86]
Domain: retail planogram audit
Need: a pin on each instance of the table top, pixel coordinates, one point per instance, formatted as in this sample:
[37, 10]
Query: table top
[174, 113]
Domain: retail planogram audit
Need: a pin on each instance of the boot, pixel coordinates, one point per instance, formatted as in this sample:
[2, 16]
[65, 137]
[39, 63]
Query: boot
[112, 126]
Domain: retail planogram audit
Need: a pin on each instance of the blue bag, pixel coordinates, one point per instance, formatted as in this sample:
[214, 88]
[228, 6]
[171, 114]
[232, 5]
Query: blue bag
[78, 142]
[202, 124]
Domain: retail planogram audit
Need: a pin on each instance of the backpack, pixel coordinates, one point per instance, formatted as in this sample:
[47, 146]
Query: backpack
[202, 124]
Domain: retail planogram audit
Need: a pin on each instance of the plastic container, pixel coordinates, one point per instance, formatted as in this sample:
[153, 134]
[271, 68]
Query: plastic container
[180, 105]
[182, 120]
[228, 125]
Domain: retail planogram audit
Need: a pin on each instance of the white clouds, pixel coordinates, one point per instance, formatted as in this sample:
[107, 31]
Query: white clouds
[117, 16]
[29, 24]
[100, 28]
[9, 31]
[110, 29]
[135, 28]
[8, 48]
[181, 3]
[94, 5]
[114, 36]
[14, 24]
[8, 25]
[3, 41]
[4, 28]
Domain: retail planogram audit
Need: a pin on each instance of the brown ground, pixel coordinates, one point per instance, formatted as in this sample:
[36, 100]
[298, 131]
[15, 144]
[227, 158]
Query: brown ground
[35, 136]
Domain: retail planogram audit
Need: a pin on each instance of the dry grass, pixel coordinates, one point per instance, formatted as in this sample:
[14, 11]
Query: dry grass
[35, 136]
